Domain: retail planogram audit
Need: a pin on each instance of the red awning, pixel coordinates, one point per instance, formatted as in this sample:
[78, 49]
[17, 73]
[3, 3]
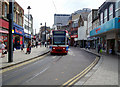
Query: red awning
[6, 32]
[4, 23]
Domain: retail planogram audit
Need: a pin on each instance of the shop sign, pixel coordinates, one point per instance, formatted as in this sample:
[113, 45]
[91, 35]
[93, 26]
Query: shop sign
[74, 36]
[98, 30]
[27, 35]
[18, 31]
[4, 24]
[109, 25]
[12, 31]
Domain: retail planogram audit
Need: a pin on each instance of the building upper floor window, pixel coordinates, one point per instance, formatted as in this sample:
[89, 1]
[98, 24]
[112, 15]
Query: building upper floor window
[117, 11]
[5, 10]
[105, 13]
[101, 18]
[110, 11]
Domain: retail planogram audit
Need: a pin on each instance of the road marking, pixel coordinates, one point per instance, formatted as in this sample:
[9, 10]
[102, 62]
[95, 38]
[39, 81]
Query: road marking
[37, 74]
[81, 74]
[54, 57]
[19, 65]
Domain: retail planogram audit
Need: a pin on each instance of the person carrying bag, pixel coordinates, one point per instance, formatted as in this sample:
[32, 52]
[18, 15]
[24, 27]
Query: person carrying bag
[28, 48]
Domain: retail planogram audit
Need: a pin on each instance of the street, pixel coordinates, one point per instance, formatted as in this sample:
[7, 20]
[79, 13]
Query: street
[51, 70]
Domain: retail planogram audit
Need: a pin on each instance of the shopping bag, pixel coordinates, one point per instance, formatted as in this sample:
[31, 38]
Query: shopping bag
[100, 50]
[28, 49]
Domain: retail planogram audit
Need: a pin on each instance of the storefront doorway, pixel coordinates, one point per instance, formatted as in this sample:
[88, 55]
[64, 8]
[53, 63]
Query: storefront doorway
[111, 46]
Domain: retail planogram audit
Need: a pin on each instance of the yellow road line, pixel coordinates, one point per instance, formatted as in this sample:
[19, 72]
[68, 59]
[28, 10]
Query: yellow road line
[71, 83]
[19, 65]
[80, 74]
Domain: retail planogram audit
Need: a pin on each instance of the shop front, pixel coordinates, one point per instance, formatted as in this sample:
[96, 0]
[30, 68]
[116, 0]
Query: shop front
[4, 27]
[72, 40]
[108, 34]
[18, 33]
[27, 38]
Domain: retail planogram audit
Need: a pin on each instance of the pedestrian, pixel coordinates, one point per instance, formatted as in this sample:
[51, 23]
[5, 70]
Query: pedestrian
[36, 44]
[99, 48]
[28, 48]
[2, 47]
[45, 43]
[22, 48]
[88, 45]
[40, 44]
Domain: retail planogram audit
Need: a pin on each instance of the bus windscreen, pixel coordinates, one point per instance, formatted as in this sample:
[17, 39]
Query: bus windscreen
[59, 40]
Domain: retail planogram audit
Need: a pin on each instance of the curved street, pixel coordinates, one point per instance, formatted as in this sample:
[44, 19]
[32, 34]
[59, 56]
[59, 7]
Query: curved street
[51, 70]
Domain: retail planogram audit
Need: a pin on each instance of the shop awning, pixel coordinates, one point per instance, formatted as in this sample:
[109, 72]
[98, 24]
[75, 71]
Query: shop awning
[6, 32]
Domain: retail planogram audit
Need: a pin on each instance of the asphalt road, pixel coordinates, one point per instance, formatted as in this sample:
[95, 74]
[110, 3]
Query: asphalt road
[51, 70]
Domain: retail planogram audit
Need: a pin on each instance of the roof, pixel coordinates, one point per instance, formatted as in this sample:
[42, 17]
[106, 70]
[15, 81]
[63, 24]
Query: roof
[84, 15]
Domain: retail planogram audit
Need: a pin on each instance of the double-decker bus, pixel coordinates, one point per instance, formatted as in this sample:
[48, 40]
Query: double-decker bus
[59, 42]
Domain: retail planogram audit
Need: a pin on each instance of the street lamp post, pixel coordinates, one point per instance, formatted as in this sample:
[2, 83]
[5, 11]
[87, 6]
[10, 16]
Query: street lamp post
[45, 31]
[28, 17]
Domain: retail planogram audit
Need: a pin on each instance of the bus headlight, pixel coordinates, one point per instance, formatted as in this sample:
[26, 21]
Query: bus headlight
[63, 48]
[53, 48]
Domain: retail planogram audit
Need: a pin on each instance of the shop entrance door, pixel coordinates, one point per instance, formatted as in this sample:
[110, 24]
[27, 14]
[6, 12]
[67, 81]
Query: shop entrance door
[111, 46]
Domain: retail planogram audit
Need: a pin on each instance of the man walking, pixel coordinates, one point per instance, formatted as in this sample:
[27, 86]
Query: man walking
[2, 47]
[99, 47]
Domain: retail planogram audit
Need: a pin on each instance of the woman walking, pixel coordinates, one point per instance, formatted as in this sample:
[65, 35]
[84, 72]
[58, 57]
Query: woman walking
[28, 48]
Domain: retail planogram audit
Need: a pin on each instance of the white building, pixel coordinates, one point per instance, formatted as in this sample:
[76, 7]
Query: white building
[30, 24]
[82, 30]
[28, 35]
[91, 17]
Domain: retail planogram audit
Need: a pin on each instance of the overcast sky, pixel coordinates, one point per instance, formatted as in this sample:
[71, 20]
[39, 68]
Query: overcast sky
[44, 10]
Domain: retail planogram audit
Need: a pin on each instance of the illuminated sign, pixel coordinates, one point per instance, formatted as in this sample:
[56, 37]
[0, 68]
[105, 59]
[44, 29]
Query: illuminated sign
[18, 31]
[59, 32]
[74, 36]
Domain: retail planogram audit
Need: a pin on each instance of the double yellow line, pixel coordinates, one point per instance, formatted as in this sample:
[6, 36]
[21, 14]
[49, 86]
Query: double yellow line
[77, 77]
[21, 64]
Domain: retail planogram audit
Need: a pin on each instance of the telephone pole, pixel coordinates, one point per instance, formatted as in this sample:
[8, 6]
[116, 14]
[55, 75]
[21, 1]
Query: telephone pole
[10, 52]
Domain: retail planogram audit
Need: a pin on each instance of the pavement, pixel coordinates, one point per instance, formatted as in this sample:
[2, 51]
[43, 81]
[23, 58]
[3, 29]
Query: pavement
[20, 56]
[104, 73]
